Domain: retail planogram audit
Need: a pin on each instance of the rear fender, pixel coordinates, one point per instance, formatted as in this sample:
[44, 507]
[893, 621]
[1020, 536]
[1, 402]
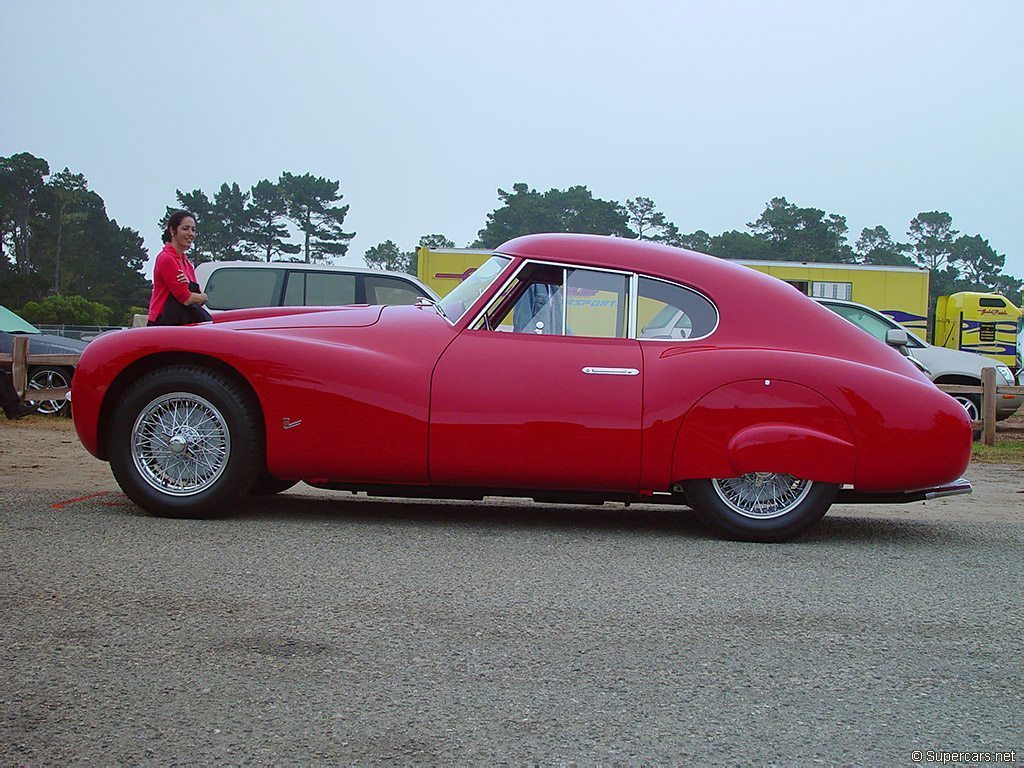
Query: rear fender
[765, 425]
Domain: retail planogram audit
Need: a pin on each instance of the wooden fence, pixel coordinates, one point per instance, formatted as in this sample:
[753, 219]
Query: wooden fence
[21, 359]
[989, 396]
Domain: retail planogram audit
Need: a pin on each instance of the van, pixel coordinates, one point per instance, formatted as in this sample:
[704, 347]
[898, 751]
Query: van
[244, 284]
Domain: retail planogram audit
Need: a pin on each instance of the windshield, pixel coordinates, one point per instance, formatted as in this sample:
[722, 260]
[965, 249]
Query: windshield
[455, 304]
[11, 323]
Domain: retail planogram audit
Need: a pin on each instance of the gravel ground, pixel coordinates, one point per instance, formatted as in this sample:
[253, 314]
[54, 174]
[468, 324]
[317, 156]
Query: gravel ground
[320, 628]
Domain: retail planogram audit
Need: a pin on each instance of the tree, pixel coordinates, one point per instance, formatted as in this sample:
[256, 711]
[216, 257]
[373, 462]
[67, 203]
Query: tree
[230, 223]
[435, 241]
[22, 183]
[66, 310]
[931, 237]
[311, 208]
[267, 232]
[387, 256]
[876, 246]
[978, 261]
[644, 219]
[802, 234]
[525, 211]
[739, 245]
[699, 241]
[69, 193]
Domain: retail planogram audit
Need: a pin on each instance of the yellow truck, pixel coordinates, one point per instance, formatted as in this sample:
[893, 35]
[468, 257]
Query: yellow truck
[899, 292]
[985, 323]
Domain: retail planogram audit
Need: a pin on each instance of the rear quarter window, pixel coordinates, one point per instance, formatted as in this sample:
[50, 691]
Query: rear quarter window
[669, 311]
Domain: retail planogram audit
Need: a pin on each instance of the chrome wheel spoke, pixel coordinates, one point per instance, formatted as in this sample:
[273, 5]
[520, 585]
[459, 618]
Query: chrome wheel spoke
[762, 495]
[181, 444]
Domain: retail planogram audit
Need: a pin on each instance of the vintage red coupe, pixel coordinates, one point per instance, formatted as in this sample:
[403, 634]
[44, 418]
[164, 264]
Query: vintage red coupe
[568, 367]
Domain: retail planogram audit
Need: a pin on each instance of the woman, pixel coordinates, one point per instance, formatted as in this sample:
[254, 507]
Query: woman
[174, 277]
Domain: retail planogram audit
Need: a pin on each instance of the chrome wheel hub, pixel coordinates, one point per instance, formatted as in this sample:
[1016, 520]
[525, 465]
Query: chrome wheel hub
[762, 495]
[180, 444]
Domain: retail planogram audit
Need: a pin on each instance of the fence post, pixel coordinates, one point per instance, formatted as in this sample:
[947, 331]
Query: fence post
[988, 405]
[19, 364]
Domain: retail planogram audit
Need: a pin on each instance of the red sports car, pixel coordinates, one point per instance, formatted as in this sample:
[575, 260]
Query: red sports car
[568, 367]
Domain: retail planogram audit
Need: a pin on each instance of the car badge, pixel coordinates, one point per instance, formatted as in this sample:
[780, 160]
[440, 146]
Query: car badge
[289, 424]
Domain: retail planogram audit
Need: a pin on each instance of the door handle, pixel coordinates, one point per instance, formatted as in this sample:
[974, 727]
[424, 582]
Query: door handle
[595, 370]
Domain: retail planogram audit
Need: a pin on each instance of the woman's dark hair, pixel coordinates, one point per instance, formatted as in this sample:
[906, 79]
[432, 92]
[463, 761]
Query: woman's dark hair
[174, 222]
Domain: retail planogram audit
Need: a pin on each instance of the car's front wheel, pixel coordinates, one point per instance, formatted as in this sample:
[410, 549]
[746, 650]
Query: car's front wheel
[184, 442]
[760, 506]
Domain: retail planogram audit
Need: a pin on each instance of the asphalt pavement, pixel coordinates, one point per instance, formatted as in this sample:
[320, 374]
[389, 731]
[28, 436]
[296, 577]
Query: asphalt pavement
[310, 630]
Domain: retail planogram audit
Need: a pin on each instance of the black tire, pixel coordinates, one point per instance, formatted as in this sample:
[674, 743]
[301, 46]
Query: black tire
[267, 485]
[184, 442]
[789, 505]
[50, 377]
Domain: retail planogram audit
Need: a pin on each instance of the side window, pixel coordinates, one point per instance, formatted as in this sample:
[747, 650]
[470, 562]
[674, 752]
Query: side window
[329, 289]
[241, 288]
[390, 290]
[552, 300]
[596, 304]
[863, 320]
[668, 311]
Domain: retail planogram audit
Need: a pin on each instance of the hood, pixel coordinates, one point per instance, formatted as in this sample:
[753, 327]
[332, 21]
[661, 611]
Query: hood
[941, 361]
[353, 316]
[43, 344]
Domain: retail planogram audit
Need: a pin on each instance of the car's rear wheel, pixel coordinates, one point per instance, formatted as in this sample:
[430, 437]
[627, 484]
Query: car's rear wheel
[50, 378]
[184, 442]
[760, 506]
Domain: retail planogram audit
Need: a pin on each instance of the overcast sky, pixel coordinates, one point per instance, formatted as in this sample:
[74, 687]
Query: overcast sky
[872, 110]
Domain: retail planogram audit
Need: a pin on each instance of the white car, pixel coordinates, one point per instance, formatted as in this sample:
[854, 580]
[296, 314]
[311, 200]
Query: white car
[944, 366]
[245, 284]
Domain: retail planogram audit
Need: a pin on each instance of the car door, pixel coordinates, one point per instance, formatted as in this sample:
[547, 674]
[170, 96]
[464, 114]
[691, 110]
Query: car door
[543, 390]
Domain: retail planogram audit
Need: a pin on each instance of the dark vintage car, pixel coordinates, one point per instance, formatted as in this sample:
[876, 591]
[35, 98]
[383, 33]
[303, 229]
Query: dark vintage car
[567, 367]
[41, 376]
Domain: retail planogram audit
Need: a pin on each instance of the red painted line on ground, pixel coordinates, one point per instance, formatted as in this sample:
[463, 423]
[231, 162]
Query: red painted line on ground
[66, 502]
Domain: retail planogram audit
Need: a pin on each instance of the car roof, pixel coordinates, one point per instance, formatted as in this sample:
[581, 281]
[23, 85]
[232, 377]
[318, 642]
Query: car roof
[209, 266]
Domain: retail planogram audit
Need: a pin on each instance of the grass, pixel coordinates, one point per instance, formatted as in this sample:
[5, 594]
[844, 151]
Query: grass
[1005, 451]
[1009, 447]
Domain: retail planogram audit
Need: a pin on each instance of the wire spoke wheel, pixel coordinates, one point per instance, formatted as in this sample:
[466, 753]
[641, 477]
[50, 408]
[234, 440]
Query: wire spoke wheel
[180, 444]
[762, 495]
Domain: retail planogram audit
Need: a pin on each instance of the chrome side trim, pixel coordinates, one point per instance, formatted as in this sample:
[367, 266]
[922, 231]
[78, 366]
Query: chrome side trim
[595, 370]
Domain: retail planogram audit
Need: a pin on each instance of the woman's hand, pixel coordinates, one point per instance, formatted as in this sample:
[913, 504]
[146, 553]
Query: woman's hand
[196, 298]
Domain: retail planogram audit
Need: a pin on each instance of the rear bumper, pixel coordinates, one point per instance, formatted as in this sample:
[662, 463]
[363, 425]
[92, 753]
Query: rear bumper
[853, 496]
